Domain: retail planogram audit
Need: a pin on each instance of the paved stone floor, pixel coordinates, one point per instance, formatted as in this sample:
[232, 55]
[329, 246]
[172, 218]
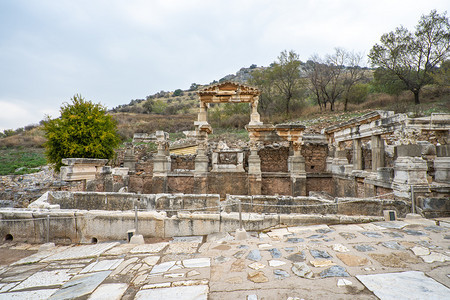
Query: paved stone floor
[407, 259]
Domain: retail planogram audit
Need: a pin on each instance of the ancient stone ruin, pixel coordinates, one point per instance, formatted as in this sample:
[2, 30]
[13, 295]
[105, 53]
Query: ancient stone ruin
[374, 165]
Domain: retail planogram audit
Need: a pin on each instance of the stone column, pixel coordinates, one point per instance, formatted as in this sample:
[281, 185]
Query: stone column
[340, 160]
[129, 160]
[357, 155]
[160, 169]
[201, 168]
[254, 170]
[297, 170]
[377, 152]
[203, 113]
[442, 164]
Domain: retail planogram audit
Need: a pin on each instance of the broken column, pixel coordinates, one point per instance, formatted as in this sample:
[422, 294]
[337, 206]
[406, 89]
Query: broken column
[129, 160]
[201, 165]
[442, 164]
[254, 170]
[340, 160]
[377, 144]
[357, 155]
[297, 170]
[161, 164]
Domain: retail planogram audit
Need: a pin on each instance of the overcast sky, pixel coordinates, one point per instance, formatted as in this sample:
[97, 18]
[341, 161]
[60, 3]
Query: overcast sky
[114, 51]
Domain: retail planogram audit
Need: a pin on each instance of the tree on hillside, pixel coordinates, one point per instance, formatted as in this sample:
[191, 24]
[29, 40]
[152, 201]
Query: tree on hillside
[83, 130]
[286, 77]
[386, 82]
[264, 80]
[442, 75]
[413, 56]
[353, 74]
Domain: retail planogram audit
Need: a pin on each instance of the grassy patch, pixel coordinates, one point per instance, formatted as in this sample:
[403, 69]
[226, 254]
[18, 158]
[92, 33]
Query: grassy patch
[19, 161]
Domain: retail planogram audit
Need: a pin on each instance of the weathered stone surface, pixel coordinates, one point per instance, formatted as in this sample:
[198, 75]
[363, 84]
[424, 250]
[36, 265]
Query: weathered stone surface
[254, 255]
[221, 259]
[79, 252]
[321, 263]
[256, 266]
[239, 254]
[364, 248]
[234, 280]
[44, 279]
[80, 285]
[319, 253]
[397, 285]
[297, 257]
[393, 245]
[275, 253]
[162, 267]
[353, 260]
[334, 271]
[38, 294]
[151, 260]
[276, 263]
[347, 235]
[343, 282]
[281, 274]
[185, 247]
[192, 273]
[340, 248]
[257, 277]
[102, 265]
[372, 234]
[414, 232]
[197, 262]
[395, 260]
[149, 248]
[295, 240]
[435, 257]
[302, 270]
[238, 266]
[420, 251]
[197, 292]
[394, 234]
[110, 291]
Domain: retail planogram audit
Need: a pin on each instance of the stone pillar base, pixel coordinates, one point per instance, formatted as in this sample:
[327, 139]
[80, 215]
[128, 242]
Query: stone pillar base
[442, 169]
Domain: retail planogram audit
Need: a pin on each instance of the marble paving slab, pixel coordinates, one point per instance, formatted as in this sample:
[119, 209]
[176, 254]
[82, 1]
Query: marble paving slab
[80, 286]
[79, 252]
[197, 292]
[44, 279]
[110, 291]
[29, 295]
[411, 284]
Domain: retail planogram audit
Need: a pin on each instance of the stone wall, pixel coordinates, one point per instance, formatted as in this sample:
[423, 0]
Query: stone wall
[274, 160]
[227, 183]
[182, 162]
[315, 157]
[272, 185]
[319, 183]
[180, 184]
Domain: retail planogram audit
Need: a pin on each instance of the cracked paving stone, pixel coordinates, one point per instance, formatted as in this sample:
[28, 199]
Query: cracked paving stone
[295, 240]
[302, 270]
[44, 279]
[394, 234]
[347, 235]
[254, 255]
[316, 236]
[198, 292]
[420, 251]
[414, 232]
[239, 254]
[324, 230]
[281, 274]
[319, 254]
[257, 277]
[290, 249]
[393, 245]
[428, 245]
[435, 257]
[352, 260]
[364, 248]
[275, 253]
[435, 229]
[110, 291]
[221, 259]
[334, 271]
[395, 259]
[372, 234]
[297, 257]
